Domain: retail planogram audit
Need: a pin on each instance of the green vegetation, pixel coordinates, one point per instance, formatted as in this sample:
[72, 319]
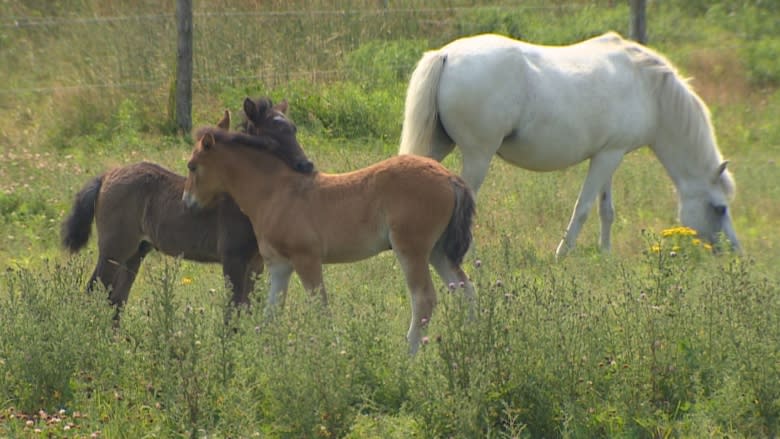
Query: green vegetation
[658, 339]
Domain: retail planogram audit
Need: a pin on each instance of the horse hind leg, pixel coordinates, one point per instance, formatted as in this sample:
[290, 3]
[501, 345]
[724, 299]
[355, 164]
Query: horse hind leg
[602, 166]
[127, 273]
[454, 277]
[421, 291]
[115, 252]
[607, 216]
[476, 162]
[441, 145]
[125, 277]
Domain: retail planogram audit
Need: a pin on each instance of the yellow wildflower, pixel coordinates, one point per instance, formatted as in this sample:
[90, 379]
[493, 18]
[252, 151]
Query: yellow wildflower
[186, 281]
[678, 231]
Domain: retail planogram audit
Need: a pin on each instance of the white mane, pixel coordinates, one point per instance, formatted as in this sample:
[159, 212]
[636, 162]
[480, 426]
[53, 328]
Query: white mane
[680, 108]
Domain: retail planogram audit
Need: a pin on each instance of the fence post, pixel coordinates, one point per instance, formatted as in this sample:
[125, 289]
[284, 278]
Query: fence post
[638, 25]
[183, 92]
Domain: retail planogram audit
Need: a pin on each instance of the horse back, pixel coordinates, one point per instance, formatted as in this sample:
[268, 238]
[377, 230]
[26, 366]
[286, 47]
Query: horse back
[142, 202]
[352, 216]
[534, 100]
[404, 189]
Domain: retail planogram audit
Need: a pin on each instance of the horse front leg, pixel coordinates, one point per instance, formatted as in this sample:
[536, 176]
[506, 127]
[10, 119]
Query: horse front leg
[600, 171]
[309, 269]
[280, 273]
[414, 263]
[239, 270]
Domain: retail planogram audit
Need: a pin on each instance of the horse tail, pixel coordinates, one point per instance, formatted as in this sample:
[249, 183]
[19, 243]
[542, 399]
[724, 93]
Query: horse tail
[420, 110]
[78, 225]
[456, 239]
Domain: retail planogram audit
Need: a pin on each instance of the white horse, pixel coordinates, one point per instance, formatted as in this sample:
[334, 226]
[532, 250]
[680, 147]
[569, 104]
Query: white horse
[545, 108]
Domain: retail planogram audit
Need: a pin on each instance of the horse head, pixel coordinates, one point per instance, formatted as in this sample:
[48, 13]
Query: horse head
[263, 118]
[201, 188]
[706, 208]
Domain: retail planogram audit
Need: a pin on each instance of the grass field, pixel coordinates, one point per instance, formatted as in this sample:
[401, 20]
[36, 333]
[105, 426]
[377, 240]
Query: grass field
[659, 338]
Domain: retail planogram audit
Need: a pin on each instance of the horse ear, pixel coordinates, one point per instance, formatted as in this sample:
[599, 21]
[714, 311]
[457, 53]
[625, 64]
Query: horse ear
[207, 141]
[282, 107]
[250, 110]
[225, 122]
[263, 104]
[718, 172]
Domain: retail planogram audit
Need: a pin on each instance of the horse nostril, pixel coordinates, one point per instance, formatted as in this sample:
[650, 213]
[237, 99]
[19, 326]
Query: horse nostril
[720, 209]
[305, 167]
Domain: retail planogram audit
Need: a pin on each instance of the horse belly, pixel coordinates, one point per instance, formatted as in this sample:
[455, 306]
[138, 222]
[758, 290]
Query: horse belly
[354, 244]
[191, 235]
[541, 157]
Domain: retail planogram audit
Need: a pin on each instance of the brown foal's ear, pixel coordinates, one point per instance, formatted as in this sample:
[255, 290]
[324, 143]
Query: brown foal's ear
[282, 107]
[224, 123]
[207, 141]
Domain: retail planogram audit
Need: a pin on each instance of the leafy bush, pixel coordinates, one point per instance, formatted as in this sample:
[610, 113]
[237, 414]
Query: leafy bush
[53, 336]
[379, 65]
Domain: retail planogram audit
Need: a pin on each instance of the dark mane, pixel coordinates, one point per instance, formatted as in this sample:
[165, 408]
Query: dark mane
[258, 142]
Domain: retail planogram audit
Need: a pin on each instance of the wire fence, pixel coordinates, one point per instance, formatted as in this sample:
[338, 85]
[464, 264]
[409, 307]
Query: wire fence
[65, 54]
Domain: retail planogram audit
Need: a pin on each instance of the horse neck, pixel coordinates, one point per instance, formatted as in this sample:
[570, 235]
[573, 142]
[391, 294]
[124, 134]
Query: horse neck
[685, 143]
[251, 177]
[686, 164]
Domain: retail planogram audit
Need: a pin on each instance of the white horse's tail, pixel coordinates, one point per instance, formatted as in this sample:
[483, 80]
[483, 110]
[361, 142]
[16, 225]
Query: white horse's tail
[420, 111]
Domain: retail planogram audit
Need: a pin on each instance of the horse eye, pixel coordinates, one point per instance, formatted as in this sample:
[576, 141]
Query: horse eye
[719, 209]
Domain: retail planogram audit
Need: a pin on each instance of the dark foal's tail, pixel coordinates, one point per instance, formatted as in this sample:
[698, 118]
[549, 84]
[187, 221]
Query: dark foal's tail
[457, 237]
[78, 225]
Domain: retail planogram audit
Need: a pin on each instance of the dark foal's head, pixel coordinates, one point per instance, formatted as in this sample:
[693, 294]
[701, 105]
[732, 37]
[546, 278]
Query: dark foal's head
[263, 118]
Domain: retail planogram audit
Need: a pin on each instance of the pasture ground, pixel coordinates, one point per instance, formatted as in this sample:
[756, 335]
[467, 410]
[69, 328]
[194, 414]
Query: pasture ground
[657, 339]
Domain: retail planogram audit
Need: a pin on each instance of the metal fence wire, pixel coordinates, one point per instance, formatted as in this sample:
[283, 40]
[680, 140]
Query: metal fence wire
[112, 46]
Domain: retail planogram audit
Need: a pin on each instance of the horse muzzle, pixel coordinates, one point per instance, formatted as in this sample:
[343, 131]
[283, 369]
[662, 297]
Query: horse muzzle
[731, 235]
[189, 200]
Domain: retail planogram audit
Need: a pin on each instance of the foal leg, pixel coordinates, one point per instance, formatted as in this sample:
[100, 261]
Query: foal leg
[280, 273]
[125, 278]
[421, 292]
[602, 166]
[607, 215]
[453, 274]
[309, 269]
[238, 270]
[253, 269]
[126, 275]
